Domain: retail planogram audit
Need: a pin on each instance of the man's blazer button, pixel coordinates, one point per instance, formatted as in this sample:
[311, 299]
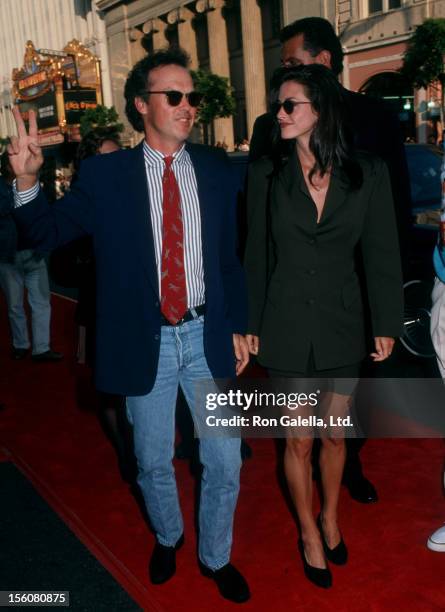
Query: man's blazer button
[310, 301]
[157, 336]
[311, 241]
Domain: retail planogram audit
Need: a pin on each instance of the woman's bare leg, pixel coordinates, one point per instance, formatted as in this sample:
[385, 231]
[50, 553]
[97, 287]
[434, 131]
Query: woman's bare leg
[332, 462]
[298, 470]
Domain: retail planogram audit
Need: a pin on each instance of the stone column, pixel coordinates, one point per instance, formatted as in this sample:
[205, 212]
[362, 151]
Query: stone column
[137, 51]
[157, 27]
[102, 52]
[186, 34]
[253, 56]
[219, 62]
[120, 62]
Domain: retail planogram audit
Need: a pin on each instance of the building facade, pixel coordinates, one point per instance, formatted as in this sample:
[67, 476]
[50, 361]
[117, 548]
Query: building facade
[374, 34]
[238, 39]
[50, 25]
[234, 39]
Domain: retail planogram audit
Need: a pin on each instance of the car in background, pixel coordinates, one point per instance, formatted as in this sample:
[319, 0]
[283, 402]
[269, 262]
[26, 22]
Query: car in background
[424, 165]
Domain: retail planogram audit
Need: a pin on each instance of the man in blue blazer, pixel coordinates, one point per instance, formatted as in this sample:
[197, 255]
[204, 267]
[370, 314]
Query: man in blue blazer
[171, 305]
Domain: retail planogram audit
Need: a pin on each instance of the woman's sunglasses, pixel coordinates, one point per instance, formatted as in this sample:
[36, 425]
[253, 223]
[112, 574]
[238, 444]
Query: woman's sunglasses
[288, 106]
[174, 98]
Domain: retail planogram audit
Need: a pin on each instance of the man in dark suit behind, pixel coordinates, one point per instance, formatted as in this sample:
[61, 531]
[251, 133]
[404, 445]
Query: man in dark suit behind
[313, 40]
[171, 303]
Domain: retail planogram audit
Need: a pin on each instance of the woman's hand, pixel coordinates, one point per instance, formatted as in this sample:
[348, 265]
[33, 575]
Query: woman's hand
[383, 347]
[253, 342]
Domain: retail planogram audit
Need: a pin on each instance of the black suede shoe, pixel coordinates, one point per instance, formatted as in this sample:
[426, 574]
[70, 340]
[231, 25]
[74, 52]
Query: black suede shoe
[18, 353]
[47, 356]
[321, 577]
[231, 584]
[338, 554]
[361, 489]
[163, 562]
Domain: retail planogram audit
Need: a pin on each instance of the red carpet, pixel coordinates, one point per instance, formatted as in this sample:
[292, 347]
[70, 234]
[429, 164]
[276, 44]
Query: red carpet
[53, 435]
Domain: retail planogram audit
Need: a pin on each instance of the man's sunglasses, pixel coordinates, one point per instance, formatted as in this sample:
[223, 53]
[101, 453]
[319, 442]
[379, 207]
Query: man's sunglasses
[174, 98]
[288, 106]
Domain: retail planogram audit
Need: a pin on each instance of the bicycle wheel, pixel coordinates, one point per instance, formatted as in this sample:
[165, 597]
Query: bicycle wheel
[416, 320]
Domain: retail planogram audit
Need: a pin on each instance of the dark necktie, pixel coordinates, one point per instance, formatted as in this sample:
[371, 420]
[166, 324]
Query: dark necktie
[173, 286]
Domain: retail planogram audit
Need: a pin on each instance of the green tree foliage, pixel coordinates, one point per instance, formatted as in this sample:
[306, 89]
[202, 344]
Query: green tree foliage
[218, 100]
[101, 116]
[423, 62]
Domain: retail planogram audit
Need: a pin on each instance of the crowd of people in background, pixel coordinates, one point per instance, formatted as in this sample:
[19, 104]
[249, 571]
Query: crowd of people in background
[26, 269]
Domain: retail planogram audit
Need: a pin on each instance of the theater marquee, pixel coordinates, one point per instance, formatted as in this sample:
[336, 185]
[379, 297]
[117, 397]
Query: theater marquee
[60, 86]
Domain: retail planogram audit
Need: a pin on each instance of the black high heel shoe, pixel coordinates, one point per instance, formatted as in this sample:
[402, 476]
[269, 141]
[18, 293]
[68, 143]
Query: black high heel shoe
[318, 576]
[337, 555]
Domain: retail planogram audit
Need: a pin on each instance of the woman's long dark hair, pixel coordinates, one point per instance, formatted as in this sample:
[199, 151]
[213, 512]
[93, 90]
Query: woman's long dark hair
[331, 141]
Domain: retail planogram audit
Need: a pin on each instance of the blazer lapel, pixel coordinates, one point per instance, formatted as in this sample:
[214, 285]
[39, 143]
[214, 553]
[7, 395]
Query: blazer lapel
[302, 205]
[335, 196]
[133, 183]
[292, 177]
[337, 193]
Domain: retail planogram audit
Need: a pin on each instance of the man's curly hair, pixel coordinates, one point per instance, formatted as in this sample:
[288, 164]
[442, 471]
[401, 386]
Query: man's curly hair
[138, 79]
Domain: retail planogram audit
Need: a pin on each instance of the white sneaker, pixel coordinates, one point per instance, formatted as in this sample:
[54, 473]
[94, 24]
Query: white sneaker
[436, 541]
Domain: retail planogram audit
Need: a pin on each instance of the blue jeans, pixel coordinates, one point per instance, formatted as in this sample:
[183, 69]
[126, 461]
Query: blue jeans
[29, 272]
[182, 361]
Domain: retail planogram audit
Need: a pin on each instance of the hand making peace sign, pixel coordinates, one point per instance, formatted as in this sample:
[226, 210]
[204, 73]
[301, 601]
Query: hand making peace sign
[25, 155]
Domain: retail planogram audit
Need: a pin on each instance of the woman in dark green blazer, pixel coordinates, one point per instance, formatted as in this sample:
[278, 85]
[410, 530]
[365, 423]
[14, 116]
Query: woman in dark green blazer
[314, 207]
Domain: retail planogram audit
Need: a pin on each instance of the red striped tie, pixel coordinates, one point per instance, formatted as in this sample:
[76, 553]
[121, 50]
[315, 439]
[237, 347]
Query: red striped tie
[173, 286]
